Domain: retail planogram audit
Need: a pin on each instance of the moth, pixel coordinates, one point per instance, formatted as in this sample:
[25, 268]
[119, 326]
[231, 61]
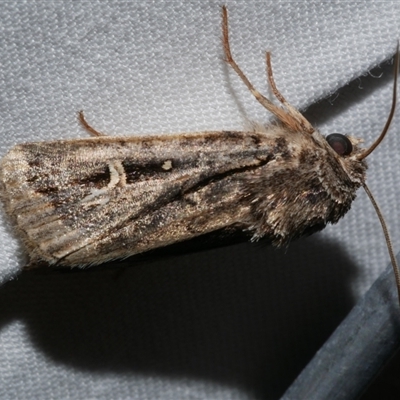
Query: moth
[83, 202]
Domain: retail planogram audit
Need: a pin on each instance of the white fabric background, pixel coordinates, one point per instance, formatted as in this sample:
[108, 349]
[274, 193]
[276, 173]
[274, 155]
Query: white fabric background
[231, 323]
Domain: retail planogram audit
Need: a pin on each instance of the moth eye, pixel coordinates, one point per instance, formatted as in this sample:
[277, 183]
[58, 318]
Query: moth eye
[340, 143]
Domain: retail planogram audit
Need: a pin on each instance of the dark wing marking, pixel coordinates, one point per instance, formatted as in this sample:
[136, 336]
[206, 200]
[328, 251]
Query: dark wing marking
[79, 196]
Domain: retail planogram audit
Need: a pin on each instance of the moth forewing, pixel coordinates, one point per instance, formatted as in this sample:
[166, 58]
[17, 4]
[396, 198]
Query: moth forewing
[87, 201]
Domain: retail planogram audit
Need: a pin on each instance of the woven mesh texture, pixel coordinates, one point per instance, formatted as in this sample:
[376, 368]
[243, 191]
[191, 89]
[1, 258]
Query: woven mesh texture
[230, 323]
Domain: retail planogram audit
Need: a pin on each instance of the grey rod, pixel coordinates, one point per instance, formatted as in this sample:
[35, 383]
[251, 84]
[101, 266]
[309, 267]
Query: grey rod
[357, 350]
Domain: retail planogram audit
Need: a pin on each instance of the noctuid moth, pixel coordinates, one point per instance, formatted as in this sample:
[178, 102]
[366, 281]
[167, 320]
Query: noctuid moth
[87, 201]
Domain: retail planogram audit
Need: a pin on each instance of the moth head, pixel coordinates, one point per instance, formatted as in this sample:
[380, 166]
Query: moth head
[346, 151]
[340, 143]
[345, 146]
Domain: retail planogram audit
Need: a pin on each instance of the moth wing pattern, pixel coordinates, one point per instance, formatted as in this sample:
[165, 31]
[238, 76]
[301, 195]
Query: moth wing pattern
[87, 201]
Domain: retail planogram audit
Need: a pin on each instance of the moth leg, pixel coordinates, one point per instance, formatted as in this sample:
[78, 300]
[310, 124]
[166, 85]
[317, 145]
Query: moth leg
[292, 110]
[85, 124]
[290, 117]
[278, 112]
[271, 80]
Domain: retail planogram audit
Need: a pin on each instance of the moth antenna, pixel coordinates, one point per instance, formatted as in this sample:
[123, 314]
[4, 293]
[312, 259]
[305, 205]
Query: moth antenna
[287, 118]
[86, 125]
[292, 110]
[387, 238]
[368, 151]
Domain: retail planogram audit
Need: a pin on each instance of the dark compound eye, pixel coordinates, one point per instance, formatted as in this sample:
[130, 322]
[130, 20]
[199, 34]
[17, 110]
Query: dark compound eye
[340, 143]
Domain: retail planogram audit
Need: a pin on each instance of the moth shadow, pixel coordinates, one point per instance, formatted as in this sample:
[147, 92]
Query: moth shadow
[344, 98]
[246, 316]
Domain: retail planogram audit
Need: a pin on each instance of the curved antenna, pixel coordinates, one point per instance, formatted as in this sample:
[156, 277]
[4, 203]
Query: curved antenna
[395, 266]
[368, 151]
